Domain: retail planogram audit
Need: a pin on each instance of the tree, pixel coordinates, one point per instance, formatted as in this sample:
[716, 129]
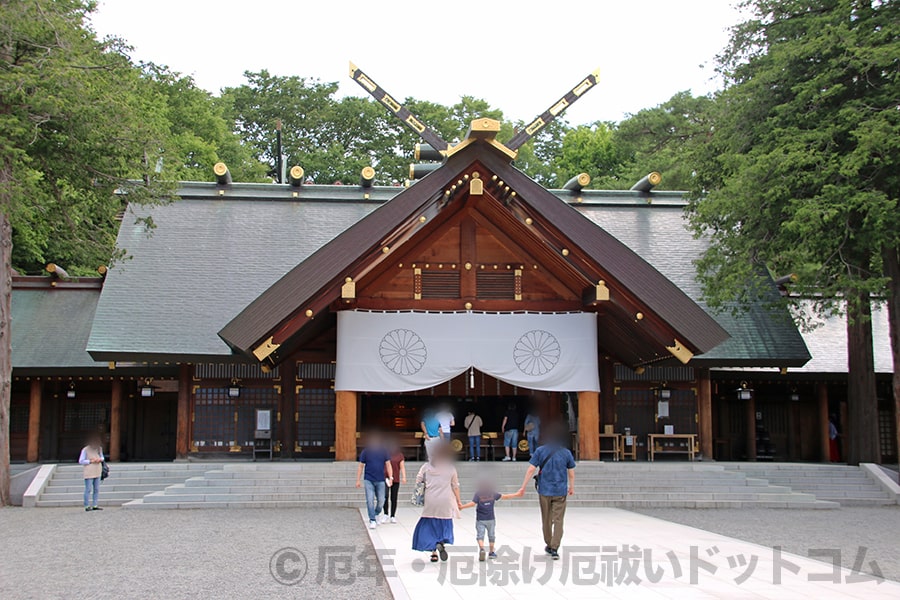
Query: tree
[588, 148]
[662, 138]
[77, 125]
[802, 170]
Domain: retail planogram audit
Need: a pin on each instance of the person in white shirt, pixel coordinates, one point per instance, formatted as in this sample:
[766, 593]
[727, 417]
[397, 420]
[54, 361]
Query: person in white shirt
[445, 418]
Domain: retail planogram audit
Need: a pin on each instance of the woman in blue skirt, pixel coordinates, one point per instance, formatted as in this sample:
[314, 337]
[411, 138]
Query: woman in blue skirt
[435, 527]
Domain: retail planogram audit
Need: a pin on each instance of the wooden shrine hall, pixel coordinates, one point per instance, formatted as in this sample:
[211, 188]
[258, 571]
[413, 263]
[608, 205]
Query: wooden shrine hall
[339, 308]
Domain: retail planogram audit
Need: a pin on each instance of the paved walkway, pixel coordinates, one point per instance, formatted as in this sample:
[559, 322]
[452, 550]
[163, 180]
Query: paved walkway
[605, 553]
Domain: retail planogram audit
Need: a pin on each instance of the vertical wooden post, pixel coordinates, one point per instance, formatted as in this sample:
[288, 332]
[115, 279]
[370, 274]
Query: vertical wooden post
[751, 428]
[183, 423]
[607, 389]
[704, 413]
[34, 422]
[345, 425]
[588, 426]
[822, 396]
[115, 420]
[288, 408]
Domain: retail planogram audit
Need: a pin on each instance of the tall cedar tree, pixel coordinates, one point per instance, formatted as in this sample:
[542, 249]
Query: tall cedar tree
[76, 126]
[802, 172]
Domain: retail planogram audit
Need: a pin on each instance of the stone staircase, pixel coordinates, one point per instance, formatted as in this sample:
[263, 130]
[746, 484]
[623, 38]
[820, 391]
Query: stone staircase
[627, 485]
[127, 482]
[844, 484]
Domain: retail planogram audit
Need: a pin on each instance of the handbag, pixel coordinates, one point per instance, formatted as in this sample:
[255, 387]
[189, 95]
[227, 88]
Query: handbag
[104, 470]
[418, 495]
[537, 477]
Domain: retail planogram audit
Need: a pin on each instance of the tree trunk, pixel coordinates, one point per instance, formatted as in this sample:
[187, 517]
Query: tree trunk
[5, 353]
[861, 439]
[892, 270]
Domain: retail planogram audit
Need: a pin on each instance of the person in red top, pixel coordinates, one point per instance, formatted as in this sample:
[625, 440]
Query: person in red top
[398, 468]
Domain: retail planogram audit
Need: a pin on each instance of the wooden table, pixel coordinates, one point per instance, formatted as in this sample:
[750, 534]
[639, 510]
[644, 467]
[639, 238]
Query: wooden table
[615, 446]
[653, 438]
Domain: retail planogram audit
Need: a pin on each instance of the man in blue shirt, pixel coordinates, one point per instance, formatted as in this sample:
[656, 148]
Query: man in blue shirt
[431, 428]
[375, 461]
[555, 482]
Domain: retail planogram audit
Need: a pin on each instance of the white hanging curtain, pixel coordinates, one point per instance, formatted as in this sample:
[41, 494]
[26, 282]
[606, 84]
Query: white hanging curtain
[407, 351]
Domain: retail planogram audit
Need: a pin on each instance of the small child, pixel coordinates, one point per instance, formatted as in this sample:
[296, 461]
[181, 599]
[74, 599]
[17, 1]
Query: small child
[484, 499]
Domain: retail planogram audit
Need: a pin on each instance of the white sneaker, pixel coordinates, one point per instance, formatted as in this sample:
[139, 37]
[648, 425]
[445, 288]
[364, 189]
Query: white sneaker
[371, 524]
[506, 459]
[384, 518]
[393, 519]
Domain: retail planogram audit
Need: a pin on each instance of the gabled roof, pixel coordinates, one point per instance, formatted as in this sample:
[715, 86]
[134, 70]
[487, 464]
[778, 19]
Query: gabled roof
[278, 313]
[219, 247]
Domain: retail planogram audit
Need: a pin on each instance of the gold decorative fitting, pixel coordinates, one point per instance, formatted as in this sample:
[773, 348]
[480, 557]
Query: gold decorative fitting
[639, 316]
[309, 312]
[476, 175]
[265, 349]
[348, 290]
[468, 306]
[422, 219]
[390, 103]
[654, 178]
[220, 169]
[295, 194]
[680, 352]
[468, 266]
[221, 192]
[529, 220]
[640, 370]
[386, 249]
[565, 251]
[602, 293]
[579, 200]
[112, 365]
[296, 172]
[476, 187]
[583, 179]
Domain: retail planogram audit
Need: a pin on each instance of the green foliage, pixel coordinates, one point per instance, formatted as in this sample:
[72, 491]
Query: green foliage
[802, 171]
[664, 139]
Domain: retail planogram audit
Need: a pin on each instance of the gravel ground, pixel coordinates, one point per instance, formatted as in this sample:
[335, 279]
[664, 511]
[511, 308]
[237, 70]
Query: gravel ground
[846, 529]
[116, 553]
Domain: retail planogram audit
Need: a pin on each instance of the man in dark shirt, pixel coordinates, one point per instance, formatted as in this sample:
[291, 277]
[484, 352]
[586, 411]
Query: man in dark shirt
[555, 482]
[375, 461]
[510, 430]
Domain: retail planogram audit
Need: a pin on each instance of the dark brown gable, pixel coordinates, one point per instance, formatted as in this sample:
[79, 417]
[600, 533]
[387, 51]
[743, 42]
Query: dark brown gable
[478, 234]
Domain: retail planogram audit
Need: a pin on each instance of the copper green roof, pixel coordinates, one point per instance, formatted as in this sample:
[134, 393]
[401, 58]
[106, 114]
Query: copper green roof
[218, 248]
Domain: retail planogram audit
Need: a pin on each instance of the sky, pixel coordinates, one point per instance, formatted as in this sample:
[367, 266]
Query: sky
[519, 56]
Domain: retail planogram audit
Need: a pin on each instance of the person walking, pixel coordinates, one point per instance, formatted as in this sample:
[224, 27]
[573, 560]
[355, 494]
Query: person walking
[473, 425]
[91, 459]
[398, 468]
[486, 496]
[510, 430]
[442, 503]
[555, 467]
[431, 429]
[532, 429]
[375, 462]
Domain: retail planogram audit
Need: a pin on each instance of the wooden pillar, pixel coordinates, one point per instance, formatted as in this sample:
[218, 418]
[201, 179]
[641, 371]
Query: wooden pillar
[34, 422]
[822, 397]
[588, 426]
[183, 422]
[704, 413]
[288, 423]
[115, 420]
[345, 425]
[751, 428]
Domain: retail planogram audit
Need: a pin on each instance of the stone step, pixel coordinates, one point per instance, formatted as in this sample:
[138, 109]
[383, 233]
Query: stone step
[106, 487]
[142, 504]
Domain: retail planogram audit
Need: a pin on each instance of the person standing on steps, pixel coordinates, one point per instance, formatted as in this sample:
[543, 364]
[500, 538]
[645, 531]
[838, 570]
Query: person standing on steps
[398, 468]
[446, 421]
[510, 430]
[473, 425]
[442, 503]
[375, 462]
[555, 481]
[431, 430]
[91, 459]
